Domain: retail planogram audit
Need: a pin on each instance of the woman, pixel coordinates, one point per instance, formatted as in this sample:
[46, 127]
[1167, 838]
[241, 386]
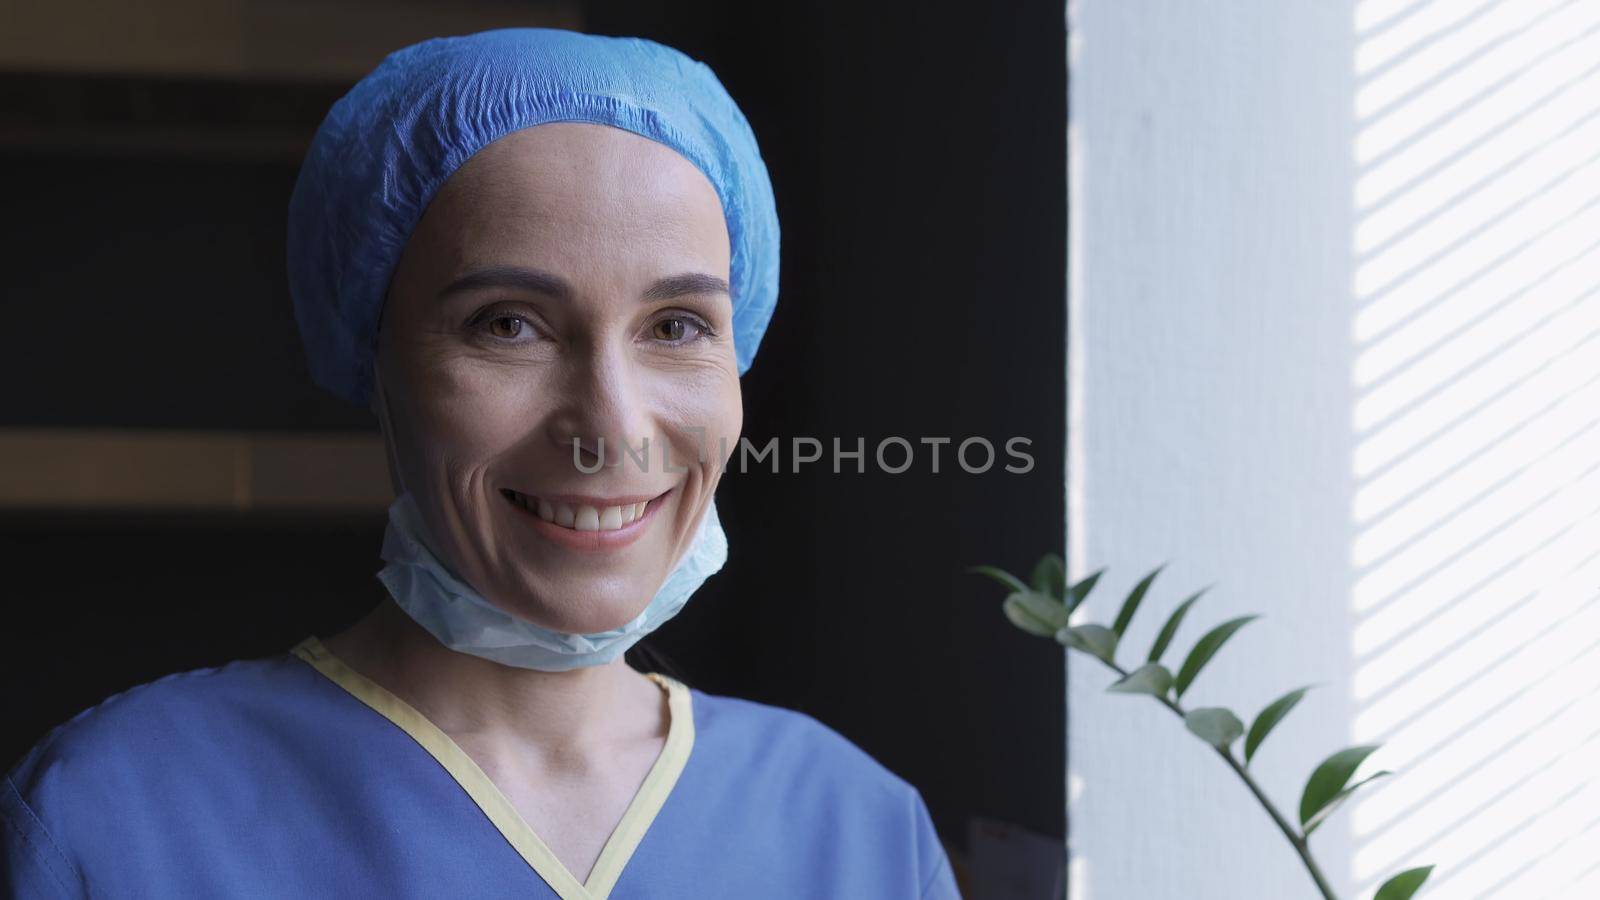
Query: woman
[545, 259]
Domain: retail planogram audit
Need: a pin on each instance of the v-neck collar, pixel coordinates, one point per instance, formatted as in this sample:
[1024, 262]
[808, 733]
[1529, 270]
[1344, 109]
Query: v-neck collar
[619, 847]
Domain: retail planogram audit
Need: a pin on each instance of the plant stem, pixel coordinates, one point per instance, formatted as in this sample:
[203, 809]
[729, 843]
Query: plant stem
[1300, 845]
[1297, 840]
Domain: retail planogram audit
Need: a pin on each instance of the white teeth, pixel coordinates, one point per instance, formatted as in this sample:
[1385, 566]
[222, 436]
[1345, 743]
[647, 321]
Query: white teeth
[588, 519]
[581, 518]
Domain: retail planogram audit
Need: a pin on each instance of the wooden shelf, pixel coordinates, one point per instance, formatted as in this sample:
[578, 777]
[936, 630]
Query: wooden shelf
[294, 40]
[118, 470]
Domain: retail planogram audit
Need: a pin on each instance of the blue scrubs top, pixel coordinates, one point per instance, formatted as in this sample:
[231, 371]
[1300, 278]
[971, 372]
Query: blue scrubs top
[295, 776]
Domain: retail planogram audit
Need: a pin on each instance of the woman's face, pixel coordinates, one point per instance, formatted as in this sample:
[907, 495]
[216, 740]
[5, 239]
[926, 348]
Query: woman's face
[569, 282]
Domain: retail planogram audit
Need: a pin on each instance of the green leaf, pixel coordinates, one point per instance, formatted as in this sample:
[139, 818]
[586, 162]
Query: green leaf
[1095, 640]
[1131, 605]
[1402, 886]
[1079, 591]
[1035, 613]
[1207, 648]
[1151, 678]
[1048, 610]
[1171, 628]
[1326, 787]
[1333, 805]
[1269, 719]
[1214, 725]
[1001, 575]
[1050, 576]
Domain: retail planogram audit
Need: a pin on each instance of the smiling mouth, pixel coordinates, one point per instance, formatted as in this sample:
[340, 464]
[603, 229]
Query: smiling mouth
[580, 516]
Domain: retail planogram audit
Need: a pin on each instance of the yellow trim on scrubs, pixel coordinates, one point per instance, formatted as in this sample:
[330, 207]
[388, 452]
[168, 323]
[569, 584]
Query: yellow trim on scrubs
[624, 839]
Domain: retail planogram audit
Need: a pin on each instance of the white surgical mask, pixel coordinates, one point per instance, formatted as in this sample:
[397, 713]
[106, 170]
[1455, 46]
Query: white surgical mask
[464, 621]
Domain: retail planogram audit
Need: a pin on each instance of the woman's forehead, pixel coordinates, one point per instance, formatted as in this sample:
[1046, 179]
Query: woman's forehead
[576, 185]
[583, 164]
[601, 208]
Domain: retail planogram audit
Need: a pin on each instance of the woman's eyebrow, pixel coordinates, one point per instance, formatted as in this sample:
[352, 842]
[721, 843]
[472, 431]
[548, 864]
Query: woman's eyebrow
[685, 285]
[556, 287]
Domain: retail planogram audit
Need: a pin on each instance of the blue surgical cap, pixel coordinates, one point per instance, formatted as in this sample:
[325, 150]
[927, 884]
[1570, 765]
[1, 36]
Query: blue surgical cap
[387, 146]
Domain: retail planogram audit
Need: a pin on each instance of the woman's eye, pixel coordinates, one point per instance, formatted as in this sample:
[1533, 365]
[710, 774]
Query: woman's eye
[676, 330]
[507, 327]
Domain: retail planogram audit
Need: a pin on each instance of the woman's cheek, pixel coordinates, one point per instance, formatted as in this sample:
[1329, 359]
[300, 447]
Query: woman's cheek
[486, 412]
[702, 416]
[722, 419]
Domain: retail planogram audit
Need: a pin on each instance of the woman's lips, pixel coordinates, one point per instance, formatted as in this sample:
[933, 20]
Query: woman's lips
[587, 523]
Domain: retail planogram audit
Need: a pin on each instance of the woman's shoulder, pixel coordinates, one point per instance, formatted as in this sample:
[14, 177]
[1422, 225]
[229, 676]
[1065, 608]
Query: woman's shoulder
[155, 722]
[128, 758]
[778, 737]
[756, 758]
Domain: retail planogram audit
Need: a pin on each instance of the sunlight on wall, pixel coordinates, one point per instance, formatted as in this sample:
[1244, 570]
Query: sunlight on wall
[1477, 444]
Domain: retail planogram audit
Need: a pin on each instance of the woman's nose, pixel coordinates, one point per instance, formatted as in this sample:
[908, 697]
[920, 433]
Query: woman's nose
[601, 408]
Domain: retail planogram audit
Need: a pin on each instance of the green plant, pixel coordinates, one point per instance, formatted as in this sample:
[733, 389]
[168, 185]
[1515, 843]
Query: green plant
[1044, 605]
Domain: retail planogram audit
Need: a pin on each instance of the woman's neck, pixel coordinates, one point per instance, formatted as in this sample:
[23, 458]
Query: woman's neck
[572, 714]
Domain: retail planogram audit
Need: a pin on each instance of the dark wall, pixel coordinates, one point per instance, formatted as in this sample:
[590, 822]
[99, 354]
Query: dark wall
[919, 163]
[143, 240]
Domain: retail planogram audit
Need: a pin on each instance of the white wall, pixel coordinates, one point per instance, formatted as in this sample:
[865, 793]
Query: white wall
[1335, 347]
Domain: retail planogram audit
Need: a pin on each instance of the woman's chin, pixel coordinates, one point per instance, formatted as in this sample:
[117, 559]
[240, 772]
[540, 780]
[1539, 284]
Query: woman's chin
[582, 602]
